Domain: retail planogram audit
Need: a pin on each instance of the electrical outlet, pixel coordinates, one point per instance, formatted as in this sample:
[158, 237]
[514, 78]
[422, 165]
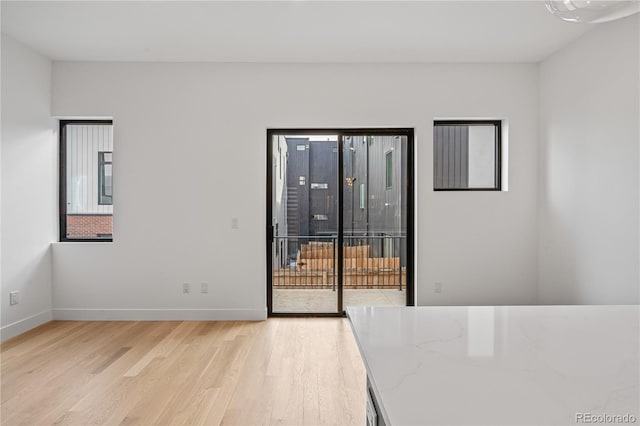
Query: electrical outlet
[186, 288]
[234, 223]
[204, 287]
[14, 297]
[437, 287]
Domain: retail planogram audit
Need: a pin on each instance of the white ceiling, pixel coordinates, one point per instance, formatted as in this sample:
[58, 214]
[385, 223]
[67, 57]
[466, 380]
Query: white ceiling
[289, 31]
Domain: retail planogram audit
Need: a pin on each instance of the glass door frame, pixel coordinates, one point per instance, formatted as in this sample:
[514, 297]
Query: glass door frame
[341, 133]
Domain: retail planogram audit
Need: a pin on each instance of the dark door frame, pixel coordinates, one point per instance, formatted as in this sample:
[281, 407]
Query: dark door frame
[341, 133]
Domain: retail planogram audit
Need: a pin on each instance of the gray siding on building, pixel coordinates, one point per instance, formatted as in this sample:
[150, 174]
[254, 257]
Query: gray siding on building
[385, 208]
[450, 157]
[365, 160]
[312, 211]
[297, 194]
[356, 167]
[323, 203]
[371, 209]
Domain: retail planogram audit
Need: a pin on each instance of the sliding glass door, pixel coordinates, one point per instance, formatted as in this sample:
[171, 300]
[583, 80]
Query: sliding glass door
[339, 224]
[374, 215]
[304, 223]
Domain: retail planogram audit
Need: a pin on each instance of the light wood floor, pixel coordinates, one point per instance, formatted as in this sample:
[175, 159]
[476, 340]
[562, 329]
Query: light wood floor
[289, 371]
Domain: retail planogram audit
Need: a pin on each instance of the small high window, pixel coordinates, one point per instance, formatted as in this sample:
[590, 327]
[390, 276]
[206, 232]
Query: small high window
[466, 155]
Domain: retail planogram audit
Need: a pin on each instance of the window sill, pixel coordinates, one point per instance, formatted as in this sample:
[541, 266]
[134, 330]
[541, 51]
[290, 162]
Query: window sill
[97, 242]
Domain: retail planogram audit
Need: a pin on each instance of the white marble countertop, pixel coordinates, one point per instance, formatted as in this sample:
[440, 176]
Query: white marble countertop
[507, 365]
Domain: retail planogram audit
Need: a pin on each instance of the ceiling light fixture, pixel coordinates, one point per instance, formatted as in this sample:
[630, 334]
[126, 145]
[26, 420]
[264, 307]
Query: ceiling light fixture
[592, 11]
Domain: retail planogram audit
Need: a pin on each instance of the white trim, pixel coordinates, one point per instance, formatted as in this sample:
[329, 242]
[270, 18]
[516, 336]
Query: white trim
[24, 325]
[160, 314]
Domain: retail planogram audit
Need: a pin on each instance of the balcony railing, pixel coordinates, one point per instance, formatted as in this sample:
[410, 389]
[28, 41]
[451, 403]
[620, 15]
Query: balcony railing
[306, 262]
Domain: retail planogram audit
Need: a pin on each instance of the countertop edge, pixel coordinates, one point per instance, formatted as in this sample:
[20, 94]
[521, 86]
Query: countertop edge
[370, 378]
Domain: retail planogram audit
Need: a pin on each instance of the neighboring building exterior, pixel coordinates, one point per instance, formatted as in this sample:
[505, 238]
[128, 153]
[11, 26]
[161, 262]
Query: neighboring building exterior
[89, 150]
[280, 195]
[375, 201]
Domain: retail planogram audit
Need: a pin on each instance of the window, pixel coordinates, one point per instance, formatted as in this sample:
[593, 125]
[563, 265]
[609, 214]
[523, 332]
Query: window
[86, 180]
[105, 188]
[389, 169]
[466, 155]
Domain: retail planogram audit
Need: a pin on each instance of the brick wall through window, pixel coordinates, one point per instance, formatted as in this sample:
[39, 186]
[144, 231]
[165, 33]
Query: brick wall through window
[89, 226]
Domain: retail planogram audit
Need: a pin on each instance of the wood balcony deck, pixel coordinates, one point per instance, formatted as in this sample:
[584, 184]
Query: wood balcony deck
[352, 279]
[314, 269]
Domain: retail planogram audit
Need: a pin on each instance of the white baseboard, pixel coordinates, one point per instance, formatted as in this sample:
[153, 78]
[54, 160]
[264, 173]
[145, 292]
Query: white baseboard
[160, 314]
[26, 324]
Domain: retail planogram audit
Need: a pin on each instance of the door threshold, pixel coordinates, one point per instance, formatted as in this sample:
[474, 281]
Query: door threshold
[307, 315]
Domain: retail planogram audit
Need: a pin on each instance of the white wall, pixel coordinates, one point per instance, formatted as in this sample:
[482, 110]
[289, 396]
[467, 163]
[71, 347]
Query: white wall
[589, 181]
[29, 187]
[192, 138]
